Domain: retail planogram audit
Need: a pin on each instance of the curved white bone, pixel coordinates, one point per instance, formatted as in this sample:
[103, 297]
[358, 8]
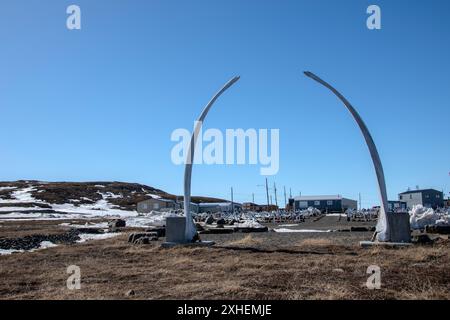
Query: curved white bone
[383, 231]
[190, 230]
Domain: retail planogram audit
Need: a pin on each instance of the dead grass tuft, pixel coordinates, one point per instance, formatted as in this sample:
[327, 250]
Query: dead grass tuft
[314, 242]
[246, 241]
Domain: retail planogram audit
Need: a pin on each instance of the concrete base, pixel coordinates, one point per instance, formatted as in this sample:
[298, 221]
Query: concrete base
[399, 227]
[176, 236]
[369, 244]
[187, 244]
[175, 229]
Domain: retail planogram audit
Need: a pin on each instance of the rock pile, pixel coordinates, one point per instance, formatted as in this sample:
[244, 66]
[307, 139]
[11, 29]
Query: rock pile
[143, 237]
[34, 241]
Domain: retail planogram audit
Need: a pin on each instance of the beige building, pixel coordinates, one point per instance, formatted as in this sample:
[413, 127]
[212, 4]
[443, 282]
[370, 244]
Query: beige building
[160, 204]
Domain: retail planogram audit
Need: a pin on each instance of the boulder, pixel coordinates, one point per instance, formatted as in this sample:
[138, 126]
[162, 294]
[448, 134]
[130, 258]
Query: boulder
[161, 231]
[221, 221]
[145, 240]
[115, 225]
[438, 229]
[134, 237]
[422, 239]
[199, 227]
[118, 223]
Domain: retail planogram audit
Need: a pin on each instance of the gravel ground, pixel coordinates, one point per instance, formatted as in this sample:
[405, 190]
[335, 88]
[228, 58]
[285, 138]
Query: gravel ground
[273, 239]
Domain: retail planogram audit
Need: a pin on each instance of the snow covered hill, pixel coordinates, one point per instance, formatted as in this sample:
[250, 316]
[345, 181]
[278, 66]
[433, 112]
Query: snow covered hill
[43, 200]
[35, 199]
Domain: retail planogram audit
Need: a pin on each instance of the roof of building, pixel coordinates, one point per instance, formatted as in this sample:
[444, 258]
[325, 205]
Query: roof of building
[419, 190]
[158, 199]
[323, 197]
[218, 204]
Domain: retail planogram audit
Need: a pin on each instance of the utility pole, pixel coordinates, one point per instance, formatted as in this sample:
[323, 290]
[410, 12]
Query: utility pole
[253, 198]
[232, 204]
[285, 201]
[267, 193]
[290, 193]
[275, 191]
[360, 206]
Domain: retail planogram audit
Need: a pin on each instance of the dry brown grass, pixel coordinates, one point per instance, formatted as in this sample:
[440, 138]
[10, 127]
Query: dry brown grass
[314, 243]
[248, 240]
[110, 268]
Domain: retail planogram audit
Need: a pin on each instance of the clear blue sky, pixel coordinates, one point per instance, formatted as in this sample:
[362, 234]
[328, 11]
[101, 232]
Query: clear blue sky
[100, 103]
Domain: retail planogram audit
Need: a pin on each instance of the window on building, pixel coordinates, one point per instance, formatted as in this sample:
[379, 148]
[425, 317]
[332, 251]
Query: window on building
[438, 196]
[427, 196]
[329, 202]
[155, 206]
[410, 196]
[317, 203]
[401, 197]
[303, 204]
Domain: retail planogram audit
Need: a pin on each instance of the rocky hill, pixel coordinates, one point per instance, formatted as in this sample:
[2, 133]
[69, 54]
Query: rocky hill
[78, 197]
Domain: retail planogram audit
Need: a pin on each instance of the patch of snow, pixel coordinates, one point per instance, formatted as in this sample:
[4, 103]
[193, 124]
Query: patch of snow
[153, 218]
[7, 188]
[21, 208]
[21, 195]
[87, 236]
[47, 244]
[9, 251]
[110, 195]
[24, 195]
[16, 216]
[288, 225]
[101, 208]
[101, 225]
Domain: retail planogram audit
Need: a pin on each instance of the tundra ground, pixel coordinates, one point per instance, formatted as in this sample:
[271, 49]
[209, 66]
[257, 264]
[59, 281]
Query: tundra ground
[240, 266]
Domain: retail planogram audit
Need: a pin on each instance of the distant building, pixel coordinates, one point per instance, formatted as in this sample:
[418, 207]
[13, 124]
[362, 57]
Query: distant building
[157, 204]
[395, 206]
[429, 198]
[218, 207]
[447, 203]
[193, 206]
[332, 203]
[249, 206]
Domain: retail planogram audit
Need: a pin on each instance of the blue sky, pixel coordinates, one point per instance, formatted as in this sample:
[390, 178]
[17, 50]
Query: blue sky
[100, 103]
